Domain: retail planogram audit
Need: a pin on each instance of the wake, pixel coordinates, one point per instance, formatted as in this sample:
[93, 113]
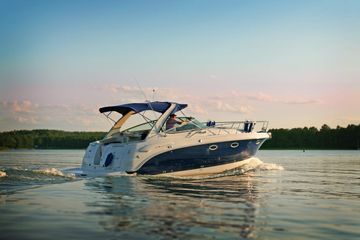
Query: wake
[254, 165]
[19, 173]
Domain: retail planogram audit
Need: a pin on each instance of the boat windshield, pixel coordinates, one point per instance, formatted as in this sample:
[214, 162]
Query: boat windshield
[133, 124]
[137, 126]
[189, 124]
[141, 127]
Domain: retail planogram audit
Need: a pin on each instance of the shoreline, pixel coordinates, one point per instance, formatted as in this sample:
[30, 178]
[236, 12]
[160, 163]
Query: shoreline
[265, 149]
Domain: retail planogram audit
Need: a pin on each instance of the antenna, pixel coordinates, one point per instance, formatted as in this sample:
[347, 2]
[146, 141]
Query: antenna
[141, 90]
[146, 100]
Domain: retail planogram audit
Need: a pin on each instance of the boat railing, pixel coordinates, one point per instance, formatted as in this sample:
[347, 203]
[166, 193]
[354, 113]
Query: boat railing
[242, 126]
[217, 128]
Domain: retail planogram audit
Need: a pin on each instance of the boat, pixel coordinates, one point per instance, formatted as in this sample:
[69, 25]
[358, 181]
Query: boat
[187, 147]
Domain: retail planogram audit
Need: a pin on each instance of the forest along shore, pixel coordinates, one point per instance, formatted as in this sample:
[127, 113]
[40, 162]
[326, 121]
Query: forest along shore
[295, 138]
[47, 139]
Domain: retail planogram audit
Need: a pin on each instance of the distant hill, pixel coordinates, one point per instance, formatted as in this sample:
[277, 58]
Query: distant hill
[295, 138]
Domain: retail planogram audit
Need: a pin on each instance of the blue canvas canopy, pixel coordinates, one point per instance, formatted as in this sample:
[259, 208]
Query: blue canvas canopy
[160, 107]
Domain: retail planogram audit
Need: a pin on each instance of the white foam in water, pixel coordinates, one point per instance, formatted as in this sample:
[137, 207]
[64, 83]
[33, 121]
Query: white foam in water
[269, 166]
[53, 171]
[2, 174]
[252, 164]
[50, 171]
[257, 164]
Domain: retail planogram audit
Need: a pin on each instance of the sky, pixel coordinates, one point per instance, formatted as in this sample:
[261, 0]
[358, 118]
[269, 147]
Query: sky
[293, 63]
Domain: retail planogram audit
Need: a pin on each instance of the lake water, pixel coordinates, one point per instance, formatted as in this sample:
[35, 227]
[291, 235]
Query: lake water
[292, 195]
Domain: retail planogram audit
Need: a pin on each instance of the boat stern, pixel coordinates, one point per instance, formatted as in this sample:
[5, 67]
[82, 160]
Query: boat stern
[104, 159]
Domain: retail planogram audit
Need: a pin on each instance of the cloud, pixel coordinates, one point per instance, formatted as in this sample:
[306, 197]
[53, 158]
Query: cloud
[302, 102]
[22, 114]
[26, 119]
[16, 106]
[27, 115]
[263, 97]
[116, 88]
[197, 109]
[228, 107]
[197, 104]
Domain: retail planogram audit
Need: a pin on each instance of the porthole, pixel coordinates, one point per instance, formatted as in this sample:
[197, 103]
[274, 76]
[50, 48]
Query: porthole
[234, 144]
[213, 147]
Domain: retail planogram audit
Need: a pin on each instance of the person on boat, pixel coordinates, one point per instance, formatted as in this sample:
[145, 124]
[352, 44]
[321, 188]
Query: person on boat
[172, 121]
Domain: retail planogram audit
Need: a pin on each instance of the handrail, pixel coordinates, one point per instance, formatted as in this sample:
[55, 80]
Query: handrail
[243, 126]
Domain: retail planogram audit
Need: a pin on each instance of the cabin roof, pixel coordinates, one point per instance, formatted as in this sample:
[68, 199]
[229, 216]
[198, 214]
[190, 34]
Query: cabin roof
[160, 107]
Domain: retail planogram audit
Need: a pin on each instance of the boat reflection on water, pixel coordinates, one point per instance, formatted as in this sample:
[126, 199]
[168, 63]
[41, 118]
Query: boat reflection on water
[137, 207]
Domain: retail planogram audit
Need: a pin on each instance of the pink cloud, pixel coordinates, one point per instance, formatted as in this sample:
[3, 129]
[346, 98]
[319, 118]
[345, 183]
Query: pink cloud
[26, 119]
[231, 107]
[197, 109]
[26, 114]
[305, 101]
[116, 88]
[16, 106]
[85, 115]
[263, 97]
[197, 104]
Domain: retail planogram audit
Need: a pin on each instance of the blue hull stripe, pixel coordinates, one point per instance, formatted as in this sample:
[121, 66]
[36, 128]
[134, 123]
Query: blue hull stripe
[201, 156]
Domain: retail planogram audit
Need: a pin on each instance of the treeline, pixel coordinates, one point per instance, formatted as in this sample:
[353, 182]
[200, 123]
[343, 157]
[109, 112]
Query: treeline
[312, 138]
[295, 138]
[48, 139]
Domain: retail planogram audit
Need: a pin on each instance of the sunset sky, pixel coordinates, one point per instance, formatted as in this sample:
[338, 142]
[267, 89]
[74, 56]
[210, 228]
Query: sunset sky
[294, 63]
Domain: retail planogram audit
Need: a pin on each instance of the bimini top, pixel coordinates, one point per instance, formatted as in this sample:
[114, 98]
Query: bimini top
[160, 107]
